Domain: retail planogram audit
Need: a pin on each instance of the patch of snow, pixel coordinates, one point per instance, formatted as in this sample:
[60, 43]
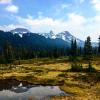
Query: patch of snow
[21, 35]
[53, 37]
[63, 37]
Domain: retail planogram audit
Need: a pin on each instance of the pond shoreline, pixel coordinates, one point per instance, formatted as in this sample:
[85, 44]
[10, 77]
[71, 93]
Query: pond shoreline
[7, 83]
[80, 84]
[13, 88]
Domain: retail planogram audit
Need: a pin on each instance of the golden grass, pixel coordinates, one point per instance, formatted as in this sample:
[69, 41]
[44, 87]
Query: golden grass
[85, 86]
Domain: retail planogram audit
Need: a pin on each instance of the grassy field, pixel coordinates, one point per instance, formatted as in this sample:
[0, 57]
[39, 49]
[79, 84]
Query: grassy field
[83, 85]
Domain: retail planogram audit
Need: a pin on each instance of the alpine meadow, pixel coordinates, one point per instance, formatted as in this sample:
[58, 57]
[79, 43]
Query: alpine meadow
[50, 50]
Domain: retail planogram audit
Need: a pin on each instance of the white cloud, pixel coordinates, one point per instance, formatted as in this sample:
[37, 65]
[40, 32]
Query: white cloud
[40, 24]
[12, 8]
[40, 14]
[10, 27]
[5, 1]
[75, 19]
[81, 1]
[78, 25]
[63, 6]
[78, 2]
[96, 4]
[74, 23]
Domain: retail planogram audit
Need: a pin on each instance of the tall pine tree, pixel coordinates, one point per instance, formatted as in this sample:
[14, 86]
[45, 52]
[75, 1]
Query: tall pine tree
[88, 49]
[8, 52]
[99, 46]
[73, 49]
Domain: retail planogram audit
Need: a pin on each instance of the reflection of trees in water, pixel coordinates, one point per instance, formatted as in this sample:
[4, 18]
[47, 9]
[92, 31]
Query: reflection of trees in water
[52, 87]
[9, 83]
[15, 90]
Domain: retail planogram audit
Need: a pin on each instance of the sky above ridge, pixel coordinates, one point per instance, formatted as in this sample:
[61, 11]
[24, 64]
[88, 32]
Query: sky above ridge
[79, 17]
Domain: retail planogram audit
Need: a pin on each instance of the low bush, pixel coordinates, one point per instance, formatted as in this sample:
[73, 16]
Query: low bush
[90, 68]
[76, 67]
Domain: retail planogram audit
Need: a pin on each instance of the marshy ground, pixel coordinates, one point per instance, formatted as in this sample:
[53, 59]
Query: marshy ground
[55, 72]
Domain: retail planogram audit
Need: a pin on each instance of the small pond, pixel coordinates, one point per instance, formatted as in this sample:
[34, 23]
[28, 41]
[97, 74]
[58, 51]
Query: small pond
[24, 92]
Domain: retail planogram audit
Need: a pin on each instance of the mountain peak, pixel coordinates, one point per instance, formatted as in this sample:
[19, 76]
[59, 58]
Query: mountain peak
[65, 35]
[20, 30]
[48, 35]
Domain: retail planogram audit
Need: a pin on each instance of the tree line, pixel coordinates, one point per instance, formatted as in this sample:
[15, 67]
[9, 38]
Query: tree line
[9, 53]
[87, 52]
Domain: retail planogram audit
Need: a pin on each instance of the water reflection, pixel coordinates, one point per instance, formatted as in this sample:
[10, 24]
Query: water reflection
[24, 92]
[20, 88]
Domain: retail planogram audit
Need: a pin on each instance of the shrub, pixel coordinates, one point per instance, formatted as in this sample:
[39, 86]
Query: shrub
[62, 75]
[76, 67]
[91, 68]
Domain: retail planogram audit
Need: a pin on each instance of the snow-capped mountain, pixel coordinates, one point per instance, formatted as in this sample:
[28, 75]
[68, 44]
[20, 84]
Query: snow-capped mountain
[50, 35]
[20, 31]
[67, 36]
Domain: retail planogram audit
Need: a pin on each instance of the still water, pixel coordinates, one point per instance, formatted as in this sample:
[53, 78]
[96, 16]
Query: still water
[30, 92]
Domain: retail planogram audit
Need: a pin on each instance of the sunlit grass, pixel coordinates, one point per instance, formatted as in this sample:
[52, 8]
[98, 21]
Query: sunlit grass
[55, 72]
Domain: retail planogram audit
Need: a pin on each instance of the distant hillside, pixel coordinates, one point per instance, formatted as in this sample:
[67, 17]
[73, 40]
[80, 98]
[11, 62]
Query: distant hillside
[32, 40]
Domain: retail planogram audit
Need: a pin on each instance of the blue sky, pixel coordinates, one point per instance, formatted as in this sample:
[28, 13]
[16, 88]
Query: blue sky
[80, 17]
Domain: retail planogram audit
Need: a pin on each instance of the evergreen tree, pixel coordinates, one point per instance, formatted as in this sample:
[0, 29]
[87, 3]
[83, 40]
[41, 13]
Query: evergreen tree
[72, 47]
[73, 50]
[8, 52]
[95, 51]
[88, 49]
[80, 51]
[2, 58]
[99, 46]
